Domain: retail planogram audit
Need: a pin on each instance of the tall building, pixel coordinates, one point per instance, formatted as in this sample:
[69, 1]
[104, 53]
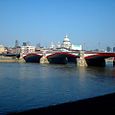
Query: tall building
[108, 49]
[24, 43]
[16, 43]
[113, 49]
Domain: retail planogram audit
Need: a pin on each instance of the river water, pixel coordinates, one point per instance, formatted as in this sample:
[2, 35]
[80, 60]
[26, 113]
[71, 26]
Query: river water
[27, 86]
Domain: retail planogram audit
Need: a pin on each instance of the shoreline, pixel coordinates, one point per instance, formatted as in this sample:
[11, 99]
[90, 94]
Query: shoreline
[104, 104]
[11, 60]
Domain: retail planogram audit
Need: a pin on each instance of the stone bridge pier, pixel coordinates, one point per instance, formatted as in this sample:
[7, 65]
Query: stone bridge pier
[44, 59]
[81, 61]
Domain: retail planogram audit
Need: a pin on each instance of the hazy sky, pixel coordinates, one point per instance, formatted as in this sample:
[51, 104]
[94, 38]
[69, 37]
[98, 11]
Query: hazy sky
[87, 22]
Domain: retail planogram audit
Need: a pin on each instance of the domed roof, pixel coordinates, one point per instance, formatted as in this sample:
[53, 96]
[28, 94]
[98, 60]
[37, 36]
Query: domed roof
[66, 39]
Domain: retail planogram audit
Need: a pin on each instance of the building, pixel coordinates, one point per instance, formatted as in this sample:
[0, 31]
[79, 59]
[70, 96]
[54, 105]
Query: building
[108, 49]
[113, 49]
[16, 50]
[76, 47]
[2, 49]
[25, 49]
[67, 44]
[16, 43]
[52, 46]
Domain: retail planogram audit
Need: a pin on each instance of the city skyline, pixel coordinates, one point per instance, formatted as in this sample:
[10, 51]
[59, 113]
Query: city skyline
[86, 22]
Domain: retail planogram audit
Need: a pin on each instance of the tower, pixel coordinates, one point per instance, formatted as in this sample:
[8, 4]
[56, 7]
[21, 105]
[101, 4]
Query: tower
[16, 43]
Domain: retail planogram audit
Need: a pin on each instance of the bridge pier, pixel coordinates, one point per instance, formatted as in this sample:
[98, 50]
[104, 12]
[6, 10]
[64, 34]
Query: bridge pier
[81, 61]
[21, 60]
[44, 60]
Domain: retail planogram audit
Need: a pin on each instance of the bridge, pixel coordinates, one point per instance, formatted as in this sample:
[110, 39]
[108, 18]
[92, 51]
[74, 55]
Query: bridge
[97, 58]
[82, 58]
[32, 57]
[63, 57]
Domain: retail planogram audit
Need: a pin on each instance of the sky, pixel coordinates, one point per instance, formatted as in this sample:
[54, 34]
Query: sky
[90, 23]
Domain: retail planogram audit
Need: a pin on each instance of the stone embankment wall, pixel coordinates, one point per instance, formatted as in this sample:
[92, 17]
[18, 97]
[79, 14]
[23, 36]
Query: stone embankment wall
[11, 59]
[8, 59]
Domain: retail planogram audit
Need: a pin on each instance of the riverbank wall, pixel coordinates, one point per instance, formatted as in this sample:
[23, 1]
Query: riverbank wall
[11, 59]
[8, 59]
[104, 105]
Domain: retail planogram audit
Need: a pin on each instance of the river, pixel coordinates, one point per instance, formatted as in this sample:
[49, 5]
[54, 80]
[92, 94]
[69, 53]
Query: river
[25, 86]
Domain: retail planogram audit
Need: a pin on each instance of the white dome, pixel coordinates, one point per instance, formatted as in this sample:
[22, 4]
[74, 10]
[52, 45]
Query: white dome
[66, 39]
[66, 42]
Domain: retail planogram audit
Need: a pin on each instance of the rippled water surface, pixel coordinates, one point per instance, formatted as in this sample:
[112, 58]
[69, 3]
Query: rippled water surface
[27, 86]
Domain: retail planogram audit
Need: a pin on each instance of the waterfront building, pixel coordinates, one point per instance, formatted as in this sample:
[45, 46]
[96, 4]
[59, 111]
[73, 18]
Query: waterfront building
[25, 49]
[76, 47]
[16, 50]
[52, 46]
[2, 49]
[58, 45]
